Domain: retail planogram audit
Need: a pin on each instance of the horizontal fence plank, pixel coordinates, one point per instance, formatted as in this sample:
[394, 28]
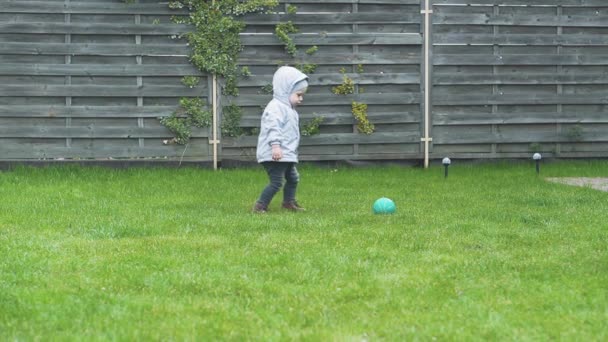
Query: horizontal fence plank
[347, 119]
[370, 156]
[108, 151]
[91, 132]
[98, 8]
[331, 59]
[336, 39]
[457, 119]
[521, 39]
[336, 139]
[101, 91]
[338, 78]
[517, 78]
[247, 39]
[144, 3]
[97, 29]
[160, 8]
[520, 20]
[520, 99]
[250, 156]
[99, 69]
[505, 59]
[360, 18]
[95, 49]
[86, 111]
[331, 99]
[513, 137]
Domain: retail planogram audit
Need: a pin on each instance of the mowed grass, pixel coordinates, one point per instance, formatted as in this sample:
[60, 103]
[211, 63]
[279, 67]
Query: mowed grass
[491, 253]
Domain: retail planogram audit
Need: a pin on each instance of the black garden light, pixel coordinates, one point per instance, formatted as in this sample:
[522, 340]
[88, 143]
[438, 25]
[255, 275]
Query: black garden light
[537, 157]
[446, 163]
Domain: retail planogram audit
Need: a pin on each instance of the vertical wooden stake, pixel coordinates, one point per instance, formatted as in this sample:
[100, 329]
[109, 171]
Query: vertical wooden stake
[427, 88]
[214, 128]
[214, 110]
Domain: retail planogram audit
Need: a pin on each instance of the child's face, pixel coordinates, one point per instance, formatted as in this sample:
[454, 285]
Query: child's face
[296, 98]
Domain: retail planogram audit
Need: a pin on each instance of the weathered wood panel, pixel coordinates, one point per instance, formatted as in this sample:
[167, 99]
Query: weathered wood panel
[377, 44]
[515, 77]
[89, 79]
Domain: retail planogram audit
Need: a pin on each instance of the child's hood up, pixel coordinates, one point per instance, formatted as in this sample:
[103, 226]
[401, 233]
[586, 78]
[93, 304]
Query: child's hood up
[283, 82]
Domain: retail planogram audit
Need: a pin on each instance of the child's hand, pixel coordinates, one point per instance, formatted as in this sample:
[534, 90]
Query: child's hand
[277, 153]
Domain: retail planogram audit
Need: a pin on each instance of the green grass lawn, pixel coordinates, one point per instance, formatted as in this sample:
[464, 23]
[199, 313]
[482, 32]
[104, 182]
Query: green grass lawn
[491, 253]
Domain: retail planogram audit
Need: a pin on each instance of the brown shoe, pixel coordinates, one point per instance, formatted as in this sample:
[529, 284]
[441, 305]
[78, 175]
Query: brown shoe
[293, 206]
[260, 208]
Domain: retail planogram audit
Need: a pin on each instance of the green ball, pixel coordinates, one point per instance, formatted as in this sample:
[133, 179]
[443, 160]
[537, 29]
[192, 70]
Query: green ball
[384, 206]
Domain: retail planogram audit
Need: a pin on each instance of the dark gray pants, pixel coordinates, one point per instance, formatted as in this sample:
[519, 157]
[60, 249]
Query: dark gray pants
[277, 171]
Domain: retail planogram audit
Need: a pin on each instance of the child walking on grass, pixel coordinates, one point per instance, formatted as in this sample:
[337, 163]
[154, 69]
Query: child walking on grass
[279, 138]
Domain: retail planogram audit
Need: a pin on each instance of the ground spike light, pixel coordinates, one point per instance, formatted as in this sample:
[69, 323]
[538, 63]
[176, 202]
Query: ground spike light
[537, 157]
[446, 163]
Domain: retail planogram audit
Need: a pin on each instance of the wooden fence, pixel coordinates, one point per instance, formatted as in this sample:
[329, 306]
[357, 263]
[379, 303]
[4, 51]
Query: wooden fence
[88, 80]
[85, 79]
[513, 77]
[377, 43]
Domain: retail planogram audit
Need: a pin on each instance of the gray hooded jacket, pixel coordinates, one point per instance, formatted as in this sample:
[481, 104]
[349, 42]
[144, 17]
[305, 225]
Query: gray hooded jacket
[280, 121]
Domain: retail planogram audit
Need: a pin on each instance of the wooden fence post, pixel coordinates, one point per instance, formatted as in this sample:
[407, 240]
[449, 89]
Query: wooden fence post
[214, 140]
[427, 11]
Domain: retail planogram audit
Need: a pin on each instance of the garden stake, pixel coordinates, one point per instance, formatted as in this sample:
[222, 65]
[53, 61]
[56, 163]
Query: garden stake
[446, 163]
[537, 157]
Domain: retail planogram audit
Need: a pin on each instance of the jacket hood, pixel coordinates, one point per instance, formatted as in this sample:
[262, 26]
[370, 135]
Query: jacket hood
[283, 82]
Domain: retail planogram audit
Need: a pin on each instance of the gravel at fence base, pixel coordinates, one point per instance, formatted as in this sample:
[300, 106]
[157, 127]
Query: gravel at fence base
[594, 183]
